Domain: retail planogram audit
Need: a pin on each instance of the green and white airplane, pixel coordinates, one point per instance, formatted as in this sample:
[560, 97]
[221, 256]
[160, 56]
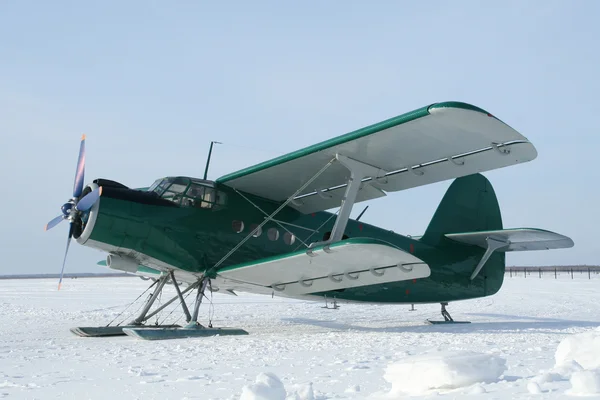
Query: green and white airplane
[264, 229]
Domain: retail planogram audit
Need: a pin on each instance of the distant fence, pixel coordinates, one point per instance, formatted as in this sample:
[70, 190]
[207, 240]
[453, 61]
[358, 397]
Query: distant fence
[66, 276]
[571, 272]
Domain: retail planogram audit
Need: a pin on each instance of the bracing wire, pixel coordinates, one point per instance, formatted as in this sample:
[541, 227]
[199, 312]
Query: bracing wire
[277, 222]
[130, 304]
[215, 268]
[134, 312]
[319, 228]
[176, 306]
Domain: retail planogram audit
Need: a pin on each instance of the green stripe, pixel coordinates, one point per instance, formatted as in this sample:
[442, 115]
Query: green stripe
[147, 270]
[369, 130]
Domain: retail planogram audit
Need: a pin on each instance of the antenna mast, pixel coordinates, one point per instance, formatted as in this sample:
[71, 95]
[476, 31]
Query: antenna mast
[208, 160]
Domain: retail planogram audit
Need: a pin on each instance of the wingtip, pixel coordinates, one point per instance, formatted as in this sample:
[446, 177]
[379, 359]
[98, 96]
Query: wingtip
[83, 137]
[59, 286]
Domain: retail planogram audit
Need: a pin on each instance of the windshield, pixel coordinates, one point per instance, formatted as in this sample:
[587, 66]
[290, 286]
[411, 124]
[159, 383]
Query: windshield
[154, 185]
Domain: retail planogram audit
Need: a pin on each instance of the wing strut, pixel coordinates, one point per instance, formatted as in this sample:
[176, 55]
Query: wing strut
[493, 244]
[358, 171]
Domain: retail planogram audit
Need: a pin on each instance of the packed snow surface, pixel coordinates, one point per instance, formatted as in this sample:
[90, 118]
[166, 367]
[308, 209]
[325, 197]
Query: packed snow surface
[583, 348]
[442, 370]
[536, 338]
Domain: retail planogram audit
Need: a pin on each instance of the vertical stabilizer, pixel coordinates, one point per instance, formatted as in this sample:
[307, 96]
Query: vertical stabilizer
[469, 205]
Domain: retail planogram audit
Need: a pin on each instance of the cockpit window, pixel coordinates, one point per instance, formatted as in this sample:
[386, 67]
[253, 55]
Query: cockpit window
[190, 192]
[155, 185]
[176, 188]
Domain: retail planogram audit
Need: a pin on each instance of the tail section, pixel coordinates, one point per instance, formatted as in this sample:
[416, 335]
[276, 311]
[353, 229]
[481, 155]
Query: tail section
[467, 231]
[469, 205]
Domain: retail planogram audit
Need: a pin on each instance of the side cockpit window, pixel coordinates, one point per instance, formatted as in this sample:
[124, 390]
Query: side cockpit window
[189, 192]
[204, 196]
[199, 196]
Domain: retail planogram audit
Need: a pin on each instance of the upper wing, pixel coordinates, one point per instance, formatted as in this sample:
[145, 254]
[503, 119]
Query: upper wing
[431, 144]
[519, 239]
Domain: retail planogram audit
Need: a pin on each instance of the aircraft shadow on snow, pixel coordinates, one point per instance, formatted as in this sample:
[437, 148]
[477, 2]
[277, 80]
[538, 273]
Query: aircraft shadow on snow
[536, 324]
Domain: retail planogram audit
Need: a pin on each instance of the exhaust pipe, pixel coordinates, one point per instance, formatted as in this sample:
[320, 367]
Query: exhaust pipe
[122, 263]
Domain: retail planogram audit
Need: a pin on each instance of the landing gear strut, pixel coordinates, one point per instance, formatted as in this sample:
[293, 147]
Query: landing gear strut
[447, 318]
[445, 313]
[192, 329]
[334, 306]
[136, 328]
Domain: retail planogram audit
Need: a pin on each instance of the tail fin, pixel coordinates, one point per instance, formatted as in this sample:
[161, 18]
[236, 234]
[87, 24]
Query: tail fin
[469, 205]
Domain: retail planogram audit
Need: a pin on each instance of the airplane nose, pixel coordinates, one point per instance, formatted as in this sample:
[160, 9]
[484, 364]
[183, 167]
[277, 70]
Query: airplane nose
[86, 220]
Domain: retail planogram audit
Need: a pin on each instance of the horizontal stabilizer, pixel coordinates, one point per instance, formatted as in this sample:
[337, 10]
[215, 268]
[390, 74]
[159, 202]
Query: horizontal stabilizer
[518, 239]
[349, 263]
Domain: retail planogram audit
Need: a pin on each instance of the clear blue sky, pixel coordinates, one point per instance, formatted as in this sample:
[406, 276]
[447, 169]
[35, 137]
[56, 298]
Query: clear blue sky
[151, 83]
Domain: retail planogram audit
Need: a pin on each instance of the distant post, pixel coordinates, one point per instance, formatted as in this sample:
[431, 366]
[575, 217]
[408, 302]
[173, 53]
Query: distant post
[589, 274]
[571, 273]
[540, 271]
[555, 273]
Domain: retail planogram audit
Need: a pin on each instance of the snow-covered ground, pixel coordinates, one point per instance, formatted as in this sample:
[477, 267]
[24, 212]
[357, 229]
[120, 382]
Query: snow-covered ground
[537, 338]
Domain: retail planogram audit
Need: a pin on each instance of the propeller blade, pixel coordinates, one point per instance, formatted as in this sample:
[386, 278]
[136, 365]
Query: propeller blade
[66, 251]
[80, 172]
[89, 200]
[54, 222]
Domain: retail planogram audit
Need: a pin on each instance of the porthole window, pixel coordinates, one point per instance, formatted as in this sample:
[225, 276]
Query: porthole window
[258, 232]
[238, 226]
[289, 238]
[273, 234]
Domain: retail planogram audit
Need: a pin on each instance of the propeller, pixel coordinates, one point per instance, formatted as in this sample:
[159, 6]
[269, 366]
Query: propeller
[76, 205]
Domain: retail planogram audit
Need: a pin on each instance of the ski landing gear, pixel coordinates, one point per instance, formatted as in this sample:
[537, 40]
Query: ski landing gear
[192, 329]
[447, 318]
[136, 327]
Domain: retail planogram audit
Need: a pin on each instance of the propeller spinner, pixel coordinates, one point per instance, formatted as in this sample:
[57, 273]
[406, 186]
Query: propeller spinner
[76, 205]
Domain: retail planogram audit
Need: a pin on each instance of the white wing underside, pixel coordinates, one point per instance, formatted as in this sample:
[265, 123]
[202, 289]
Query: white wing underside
[346, 265]
[447, 143]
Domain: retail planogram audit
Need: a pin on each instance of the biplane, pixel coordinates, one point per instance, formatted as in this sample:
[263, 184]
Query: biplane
[265, 229]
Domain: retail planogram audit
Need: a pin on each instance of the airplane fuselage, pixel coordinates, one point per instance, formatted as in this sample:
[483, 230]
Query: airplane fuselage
[195, 238]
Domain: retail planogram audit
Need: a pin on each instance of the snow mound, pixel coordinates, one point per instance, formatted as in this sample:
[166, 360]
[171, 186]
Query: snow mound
[585, 383]
[583, 348]
[558, 373]
[477, 389]
[442, 370]
[266, 387]
[534, 388]
[353, 389]
[301, 392]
